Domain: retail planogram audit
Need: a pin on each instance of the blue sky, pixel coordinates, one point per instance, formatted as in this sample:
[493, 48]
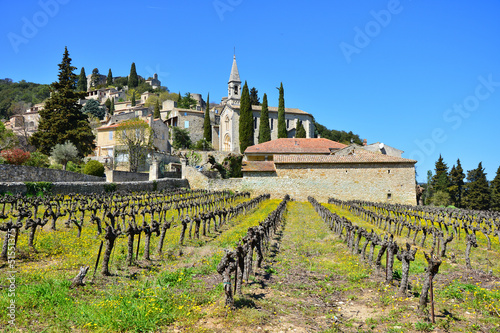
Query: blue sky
[417, 75]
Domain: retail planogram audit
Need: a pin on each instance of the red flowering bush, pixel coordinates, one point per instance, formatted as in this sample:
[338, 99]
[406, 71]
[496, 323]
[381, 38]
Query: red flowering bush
[15, 156]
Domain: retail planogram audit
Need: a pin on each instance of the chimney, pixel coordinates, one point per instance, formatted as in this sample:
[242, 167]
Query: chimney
[364, 142]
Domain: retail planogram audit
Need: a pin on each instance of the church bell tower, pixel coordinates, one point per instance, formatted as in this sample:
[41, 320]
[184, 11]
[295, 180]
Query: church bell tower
[234, 85]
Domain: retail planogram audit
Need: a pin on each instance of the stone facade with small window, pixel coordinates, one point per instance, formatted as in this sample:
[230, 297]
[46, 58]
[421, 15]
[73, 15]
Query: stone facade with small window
[191, 120]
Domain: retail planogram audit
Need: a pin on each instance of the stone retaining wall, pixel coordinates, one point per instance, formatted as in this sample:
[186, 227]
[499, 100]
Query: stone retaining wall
[24, 173]
[99, 187]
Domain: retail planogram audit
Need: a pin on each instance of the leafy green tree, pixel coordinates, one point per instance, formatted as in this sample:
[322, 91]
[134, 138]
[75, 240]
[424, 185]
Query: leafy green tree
[282, 133]
[339, 136]
[95, 79]
[254, 96]
[495, 192]
[92, 107]
[186, 102]
[38, 159]
[63, 153]
[109, 79]
[133, 80]
[207, 128]
[61, 119]
[7, 138]
[120, 82]
[180, 138]
[137, 137]
[264, 129]
[246, 120]
[157, 113]
[301, 131]
[82, 81]
[477, 192]
[440, 180]
[457, 177]
[441, 198]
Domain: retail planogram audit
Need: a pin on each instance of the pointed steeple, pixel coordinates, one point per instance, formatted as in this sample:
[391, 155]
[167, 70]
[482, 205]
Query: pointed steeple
[235, 76]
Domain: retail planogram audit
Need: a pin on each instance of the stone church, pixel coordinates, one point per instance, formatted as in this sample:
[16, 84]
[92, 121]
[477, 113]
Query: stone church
[228, 128]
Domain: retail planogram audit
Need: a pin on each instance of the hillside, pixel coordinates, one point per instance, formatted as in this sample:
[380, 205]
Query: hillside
[16, 97]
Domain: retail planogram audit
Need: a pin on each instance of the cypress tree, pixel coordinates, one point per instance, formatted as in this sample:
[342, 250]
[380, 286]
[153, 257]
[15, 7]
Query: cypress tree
[281, 114]
[477, 192]
[179, 100]
[457, 177]
[264, 129]
[157, 113]
[112, 108]
[246, 120]
[132, 99]
[108, 104]
[61, 119]
[301, 131]
[207, 129]
[495, 192]
[133, 80]
[109, 79]
[82, 81]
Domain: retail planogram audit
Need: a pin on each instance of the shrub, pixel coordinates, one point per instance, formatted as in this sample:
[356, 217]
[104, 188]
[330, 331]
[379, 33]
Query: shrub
[111, 187]
[202, 145]
[74, 167]
[63, 153]
[38, 188]
[194, 159]
[56, 166]
[38, 159]
[94, 168]
[15, 156]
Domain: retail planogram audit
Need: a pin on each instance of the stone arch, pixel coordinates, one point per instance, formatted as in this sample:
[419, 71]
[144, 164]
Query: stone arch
[226, 144]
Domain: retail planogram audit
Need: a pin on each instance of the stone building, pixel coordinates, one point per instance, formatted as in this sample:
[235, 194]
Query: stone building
[229, 118]
[154, 82]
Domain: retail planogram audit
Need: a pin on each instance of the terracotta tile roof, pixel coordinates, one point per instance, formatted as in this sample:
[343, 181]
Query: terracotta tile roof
[295, 146]
[360, 156]
[258, 166]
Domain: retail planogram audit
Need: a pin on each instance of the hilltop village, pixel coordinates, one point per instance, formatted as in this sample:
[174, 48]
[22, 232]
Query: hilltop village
[293, 158]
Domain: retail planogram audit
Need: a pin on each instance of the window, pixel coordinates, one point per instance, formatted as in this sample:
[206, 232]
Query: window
[389, 196]
[389, 171]
[255, 122]
[236, 90]
[110, 135]
[186, 124]
[288, 123]
[272, 123]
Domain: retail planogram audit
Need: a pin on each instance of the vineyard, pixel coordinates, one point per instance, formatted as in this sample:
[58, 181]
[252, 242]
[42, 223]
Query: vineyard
[206, 261]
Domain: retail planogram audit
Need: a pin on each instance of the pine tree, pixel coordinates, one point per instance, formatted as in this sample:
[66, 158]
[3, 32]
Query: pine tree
[301, 131]
[132, 99]
[246, 120]
[157, 114]
[254, 96]
[82, 81]
[61, 119]
[457, 177]
[477, 192]
[281, 114]
[440, 181]
[207, 128]
[133, 80]
[109, 79]
[264, 129]
[495, 192]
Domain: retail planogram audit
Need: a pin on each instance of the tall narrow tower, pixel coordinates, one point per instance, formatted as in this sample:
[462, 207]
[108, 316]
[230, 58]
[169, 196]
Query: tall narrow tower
[234, 85]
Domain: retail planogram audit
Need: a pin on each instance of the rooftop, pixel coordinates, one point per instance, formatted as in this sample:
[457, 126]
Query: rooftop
[295, 146]
[358, 156]
[260, 166]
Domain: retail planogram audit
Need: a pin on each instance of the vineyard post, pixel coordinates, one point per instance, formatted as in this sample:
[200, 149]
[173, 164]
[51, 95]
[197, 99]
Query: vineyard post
[97, 261]
[432, 299]
[386, 265]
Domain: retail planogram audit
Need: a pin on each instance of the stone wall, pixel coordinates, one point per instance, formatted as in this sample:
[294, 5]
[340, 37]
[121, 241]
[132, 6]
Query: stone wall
[113, 176]
[24, 173]
[99, 187]
[394, 183]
